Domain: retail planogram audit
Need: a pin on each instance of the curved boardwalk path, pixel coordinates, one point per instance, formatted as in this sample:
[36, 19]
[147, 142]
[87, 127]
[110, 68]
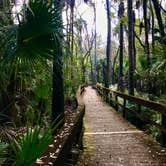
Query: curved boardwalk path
[110, 140]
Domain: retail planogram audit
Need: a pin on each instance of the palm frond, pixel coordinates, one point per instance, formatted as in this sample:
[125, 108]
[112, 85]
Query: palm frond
[3, 152]
[33, 38]
[31, 146]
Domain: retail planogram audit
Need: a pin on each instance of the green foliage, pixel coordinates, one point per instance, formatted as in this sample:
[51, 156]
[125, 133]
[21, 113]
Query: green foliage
[142, 62]
[25, 67]
[154, 132]
[30, 146]
[3, 152]
[36, 35]
[71, 85]
[123, 20]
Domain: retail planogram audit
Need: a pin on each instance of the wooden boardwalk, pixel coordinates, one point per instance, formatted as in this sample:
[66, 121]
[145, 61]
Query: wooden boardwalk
[109, 140]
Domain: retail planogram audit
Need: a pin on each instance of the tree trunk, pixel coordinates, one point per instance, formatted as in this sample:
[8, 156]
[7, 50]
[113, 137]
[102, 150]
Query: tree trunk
[147, 53]
[108, 49]
[104, 72]
[114, 79]
[72, 42]
[83, 68]
[120, 77]
[98, 75]
[95, 56]
[159, 18]
[58, 91]
[72, 25]
[152, 22]
[10, 96]
[146, 34]
[130, 48]
[57, 81]
[91, 66]
[121, 51]
[134, 48]
[120, 82]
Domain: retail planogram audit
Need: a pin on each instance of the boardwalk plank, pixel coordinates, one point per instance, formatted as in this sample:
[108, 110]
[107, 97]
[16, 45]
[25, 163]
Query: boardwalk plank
[109, 140]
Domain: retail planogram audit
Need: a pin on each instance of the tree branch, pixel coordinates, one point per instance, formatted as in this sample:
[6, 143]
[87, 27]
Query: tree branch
[162, 8]
[141, 43]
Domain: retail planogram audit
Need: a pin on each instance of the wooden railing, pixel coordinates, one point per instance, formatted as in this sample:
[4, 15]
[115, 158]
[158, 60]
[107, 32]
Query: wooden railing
[112, 97]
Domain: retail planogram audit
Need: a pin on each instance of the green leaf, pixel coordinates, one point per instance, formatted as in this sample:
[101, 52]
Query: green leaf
[31, 146]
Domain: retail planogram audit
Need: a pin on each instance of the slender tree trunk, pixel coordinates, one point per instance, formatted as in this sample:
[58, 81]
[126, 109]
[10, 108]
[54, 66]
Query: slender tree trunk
[98, 75]
[159, 18]
[72, 42]
[134, 48]
[83, 68]
[91, 66]
[120, 82]
[152, 23]
[72, 26]
[120, 77]
[121, 51]
[11, 93]
[130, 48]
[108, 49]
[58, 90]
[113, 67]
[104, 72]
[57, 81]
[146, 33]
[68, 42]
[95, 56]
[147, 52]
[90, 56]
[67, 30]
[154, 88]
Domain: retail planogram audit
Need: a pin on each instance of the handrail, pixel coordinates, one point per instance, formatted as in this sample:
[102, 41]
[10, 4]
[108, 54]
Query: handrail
[158, 107]
[161, 108]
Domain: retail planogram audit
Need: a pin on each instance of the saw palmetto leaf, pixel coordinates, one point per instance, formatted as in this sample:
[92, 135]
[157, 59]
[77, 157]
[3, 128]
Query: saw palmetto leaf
[37, 34]
[30, 146]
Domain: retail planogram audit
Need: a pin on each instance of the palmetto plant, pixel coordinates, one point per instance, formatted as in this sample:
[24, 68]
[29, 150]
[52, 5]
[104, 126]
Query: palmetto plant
[30, 146]
[26, 148]
[37, 37]
[3, 152]
[23, 147]
[37, 33]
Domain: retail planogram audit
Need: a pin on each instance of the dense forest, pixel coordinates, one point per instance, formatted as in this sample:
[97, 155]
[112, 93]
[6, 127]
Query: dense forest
[47, 50]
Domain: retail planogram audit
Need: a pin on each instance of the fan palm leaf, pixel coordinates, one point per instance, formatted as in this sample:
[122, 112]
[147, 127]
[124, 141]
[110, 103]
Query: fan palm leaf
[36, 35]
[3, 152]
[34, 39]
[30, 146]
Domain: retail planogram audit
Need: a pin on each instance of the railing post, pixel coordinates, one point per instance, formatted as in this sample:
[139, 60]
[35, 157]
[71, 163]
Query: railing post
[107, 96]
[124, 108]
[139, 121]
[103, 94]
[110, 102]
[163, 133]
[139, 108]
[116, 104]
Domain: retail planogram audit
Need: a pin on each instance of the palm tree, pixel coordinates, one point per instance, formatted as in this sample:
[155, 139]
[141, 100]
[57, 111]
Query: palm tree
[37, 37]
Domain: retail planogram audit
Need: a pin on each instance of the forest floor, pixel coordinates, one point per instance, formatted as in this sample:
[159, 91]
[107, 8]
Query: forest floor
[110, 140]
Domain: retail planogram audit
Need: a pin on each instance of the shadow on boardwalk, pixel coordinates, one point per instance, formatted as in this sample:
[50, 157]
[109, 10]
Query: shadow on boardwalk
[110, 140]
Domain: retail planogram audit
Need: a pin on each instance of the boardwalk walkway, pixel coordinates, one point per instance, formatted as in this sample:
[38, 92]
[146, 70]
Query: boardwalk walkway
[109, 140]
